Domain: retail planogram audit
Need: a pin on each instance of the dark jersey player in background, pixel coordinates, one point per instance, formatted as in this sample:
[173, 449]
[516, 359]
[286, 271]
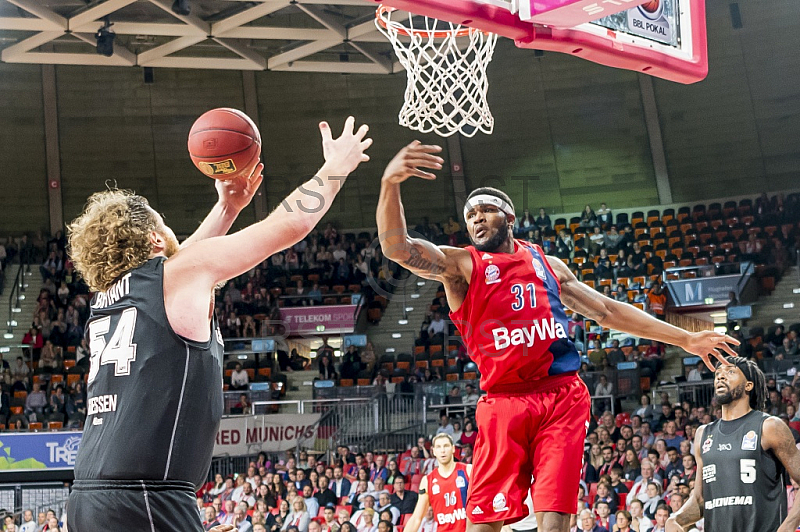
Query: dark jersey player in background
[507, 299]
[742, 461]
[155, 382]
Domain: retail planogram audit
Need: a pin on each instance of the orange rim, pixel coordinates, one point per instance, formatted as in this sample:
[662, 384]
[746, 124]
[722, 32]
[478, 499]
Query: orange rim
[382, 9]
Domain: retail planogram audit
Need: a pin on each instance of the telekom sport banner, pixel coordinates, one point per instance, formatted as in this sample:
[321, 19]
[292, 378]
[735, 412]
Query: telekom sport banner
[242, 435]
[38, 450]
[334, 318]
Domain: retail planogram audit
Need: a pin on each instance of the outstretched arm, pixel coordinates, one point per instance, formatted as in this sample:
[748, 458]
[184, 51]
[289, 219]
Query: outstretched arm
[627, 318]
[692, 510]
[777, 437]
[210, 261]
[234, 196]
[415, 254]
[414, 522]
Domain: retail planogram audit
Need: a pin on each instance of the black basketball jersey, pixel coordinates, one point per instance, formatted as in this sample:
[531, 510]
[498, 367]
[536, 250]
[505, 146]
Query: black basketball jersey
[744, 487]
[154, 398]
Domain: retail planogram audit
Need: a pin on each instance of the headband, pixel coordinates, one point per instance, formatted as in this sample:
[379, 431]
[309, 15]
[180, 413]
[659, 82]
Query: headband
[745, 368]
[487, 199]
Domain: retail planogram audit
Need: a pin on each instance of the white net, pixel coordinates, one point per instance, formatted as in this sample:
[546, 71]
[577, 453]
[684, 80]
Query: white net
[446, 67]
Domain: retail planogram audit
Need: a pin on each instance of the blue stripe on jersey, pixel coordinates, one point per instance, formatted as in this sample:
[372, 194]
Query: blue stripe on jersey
[565, 357]
[463, 474]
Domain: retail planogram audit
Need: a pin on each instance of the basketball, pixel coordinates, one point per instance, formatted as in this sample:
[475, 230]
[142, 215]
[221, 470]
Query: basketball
[224, 144]
[651, 6]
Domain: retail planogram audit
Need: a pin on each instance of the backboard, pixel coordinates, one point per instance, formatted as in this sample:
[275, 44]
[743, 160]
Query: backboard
[662, 38]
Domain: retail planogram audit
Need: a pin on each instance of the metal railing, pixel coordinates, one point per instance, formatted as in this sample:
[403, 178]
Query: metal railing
[16, 294]
[699, 392]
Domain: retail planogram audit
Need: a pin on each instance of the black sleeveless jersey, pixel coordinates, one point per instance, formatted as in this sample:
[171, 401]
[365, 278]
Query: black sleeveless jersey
[154, 398]
[744, 487]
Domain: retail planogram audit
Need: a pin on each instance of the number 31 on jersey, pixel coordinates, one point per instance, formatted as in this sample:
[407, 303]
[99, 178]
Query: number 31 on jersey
[120, 349]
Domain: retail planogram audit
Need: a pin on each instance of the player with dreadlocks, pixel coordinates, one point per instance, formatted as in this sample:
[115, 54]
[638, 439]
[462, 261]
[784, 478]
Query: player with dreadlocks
[744, 458]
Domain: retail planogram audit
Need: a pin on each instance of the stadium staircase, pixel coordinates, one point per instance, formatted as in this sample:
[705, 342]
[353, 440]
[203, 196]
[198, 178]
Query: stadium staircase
[21, 311]
[782, 303]
[404, 314]
[299, 388]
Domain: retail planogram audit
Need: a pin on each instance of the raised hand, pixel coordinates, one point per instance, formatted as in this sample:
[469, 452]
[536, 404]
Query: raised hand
[409, 160]
[709, 343]
[237, 193]
[344, 154]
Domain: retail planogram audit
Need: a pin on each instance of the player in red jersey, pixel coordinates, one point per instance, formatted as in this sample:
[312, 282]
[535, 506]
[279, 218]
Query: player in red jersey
[507, 298]
[445, 489]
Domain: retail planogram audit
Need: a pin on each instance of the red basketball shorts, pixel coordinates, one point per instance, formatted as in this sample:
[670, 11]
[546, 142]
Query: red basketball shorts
[536, 430]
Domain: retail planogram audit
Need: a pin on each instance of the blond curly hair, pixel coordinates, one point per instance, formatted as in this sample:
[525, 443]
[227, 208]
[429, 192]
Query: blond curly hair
[111, 236]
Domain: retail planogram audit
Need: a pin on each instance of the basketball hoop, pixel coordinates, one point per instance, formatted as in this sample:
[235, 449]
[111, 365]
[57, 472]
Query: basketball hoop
[446, 67]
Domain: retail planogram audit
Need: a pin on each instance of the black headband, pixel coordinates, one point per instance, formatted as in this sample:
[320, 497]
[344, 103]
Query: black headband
[745, 368]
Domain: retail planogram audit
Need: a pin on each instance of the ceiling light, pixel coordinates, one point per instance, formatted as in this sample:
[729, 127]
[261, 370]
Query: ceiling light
[788, 305]
[105, 40]
[778, 321]
[390, 349]
[414, 296]
[409, 309]
[402, 322]
[397, 335]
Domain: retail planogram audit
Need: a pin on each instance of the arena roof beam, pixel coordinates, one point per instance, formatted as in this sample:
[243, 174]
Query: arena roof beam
[258, 60]
[219, 28]
[300, 52]
[97, 12]
[35, 8]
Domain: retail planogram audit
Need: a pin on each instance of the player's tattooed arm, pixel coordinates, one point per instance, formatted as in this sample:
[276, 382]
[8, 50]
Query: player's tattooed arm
[692, 510]
[777, 437]
[439, 263]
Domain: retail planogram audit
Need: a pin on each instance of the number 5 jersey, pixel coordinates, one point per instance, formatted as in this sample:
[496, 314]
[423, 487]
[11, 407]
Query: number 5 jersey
[744, 486]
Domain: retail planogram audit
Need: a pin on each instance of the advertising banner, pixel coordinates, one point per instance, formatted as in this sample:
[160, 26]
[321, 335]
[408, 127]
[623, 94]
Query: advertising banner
[330, 319]
[38, 450]
[703, 290]
[241, 435]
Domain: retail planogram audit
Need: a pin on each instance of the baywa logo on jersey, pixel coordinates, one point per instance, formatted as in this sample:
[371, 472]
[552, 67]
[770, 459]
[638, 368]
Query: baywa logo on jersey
[492, 274]
[460, 482]
[546, 329]
[537, 265]
[707, 444]
[499, 503]
[749, 441]
[435, 489]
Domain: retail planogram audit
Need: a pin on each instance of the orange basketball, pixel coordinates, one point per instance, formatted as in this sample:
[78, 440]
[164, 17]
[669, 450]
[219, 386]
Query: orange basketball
[224, 144]
[651, 6]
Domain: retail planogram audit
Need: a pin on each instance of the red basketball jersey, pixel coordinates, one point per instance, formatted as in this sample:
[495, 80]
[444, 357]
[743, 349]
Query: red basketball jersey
[512, 320]
[448, 498]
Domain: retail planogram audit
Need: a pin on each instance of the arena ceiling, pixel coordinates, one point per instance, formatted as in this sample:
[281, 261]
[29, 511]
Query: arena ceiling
[283, 35]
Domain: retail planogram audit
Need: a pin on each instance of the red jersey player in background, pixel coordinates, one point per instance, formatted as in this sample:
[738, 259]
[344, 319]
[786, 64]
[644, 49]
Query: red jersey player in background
[507, 298]
[444, 489]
